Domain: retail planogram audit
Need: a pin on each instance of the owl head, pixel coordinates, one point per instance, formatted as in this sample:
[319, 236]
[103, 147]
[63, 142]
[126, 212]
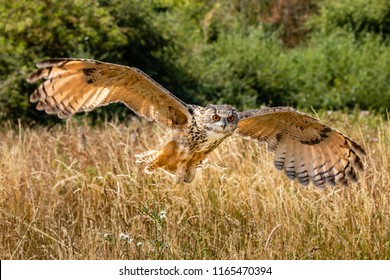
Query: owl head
[220, 118]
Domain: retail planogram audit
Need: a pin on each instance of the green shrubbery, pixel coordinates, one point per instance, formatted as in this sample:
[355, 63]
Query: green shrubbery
[355, 16]
[339, 66]
[338, 71]
[206, 52]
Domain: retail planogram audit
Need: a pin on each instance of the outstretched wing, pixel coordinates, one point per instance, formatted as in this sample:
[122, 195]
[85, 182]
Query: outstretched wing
[305, 148]
[77, 85]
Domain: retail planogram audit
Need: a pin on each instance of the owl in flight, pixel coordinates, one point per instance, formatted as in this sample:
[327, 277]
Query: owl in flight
[305, 148]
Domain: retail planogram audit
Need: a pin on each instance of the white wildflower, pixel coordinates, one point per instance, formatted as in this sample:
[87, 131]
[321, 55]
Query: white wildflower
[162, 215]
[125, 237]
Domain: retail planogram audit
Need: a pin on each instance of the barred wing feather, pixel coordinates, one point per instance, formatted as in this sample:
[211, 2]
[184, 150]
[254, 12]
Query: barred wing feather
[305, 148]
[77, 85]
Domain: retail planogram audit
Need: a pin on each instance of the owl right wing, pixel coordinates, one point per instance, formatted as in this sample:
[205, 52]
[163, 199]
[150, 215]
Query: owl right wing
[305, 148]
[77, 85]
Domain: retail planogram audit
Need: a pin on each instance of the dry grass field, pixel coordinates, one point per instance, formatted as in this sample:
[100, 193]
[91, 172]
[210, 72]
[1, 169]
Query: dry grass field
[75, 192]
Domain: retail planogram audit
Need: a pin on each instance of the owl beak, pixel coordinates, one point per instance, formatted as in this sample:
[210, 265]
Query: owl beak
[224, 124]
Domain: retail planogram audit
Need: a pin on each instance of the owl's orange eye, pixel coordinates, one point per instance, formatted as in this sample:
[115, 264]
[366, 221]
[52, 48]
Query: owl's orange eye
[230, 118]
[216, 118]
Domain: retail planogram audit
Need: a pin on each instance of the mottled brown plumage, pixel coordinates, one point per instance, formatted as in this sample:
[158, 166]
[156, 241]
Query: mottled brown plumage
[305, 148]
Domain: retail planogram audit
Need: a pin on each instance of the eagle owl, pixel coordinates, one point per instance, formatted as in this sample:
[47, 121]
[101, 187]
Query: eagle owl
[306, 149]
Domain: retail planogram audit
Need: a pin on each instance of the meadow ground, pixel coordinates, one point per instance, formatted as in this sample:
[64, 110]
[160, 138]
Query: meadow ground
[75, 192]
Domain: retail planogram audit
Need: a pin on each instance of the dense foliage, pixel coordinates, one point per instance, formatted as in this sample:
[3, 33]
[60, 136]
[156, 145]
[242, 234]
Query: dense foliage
[323, 54]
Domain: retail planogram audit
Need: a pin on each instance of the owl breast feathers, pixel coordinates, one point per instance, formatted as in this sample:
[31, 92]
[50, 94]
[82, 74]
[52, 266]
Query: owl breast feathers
[305, 149]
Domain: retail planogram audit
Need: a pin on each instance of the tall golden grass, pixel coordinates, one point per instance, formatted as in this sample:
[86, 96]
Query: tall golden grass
[75, 192]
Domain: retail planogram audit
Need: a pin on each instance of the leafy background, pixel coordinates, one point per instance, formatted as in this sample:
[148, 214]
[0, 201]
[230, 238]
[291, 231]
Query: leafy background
[321, 54]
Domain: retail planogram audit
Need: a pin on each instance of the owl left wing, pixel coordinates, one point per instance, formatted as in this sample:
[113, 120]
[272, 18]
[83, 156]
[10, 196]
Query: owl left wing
[305, 148]
[75, 85]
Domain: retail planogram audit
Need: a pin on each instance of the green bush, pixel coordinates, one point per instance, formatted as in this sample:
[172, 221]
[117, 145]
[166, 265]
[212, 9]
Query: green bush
[33, 30]
[243, 70]
[338, 71]
[356, 16]
[125, 32]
